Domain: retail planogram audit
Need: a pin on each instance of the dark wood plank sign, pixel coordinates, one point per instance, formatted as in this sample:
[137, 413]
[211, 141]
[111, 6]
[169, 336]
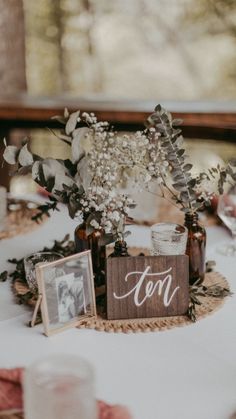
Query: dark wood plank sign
[147, 286]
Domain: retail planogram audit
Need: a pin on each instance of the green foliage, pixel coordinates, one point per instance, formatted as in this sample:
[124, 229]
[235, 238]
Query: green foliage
[3, 276]
[185, 189]
[45, 210]
[197, 291]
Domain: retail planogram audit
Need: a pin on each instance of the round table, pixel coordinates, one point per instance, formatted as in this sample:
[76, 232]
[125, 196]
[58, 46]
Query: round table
[187, 372]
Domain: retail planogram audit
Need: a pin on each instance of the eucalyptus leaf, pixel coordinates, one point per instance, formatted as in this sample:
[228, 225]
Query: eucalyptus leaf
[3, 276]
[59, 118]
[178, 177]
[177, 122]
[24, 170]
[179, 186]
[126, 234]
[72, 122]
[176, 172]
[10, 154]
[73, 207]
[76, 149]
[158, 108]
[180, 152]
[192, 183]
[187, 167]
[25, 157]
[184, 196]
[83, 175]
[37, 173]
[66, 113]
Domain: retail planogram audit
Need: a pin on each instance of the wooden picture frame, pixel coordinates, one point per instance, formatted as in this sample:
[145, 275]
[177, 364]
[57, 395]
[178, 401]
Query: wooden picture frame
[67, 289]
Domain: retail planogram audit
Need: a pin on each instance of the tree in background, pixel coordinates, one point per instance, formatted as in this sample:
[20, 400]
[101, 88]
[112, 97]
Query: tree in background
[60, 52]
[12, 62]
[177, 49]
[12, 47]
[218, 19]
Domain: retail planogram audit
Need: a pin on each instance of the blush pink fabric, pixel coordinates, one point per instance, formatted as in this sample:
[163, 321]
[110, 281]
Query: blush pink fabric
[11, 389]
[11, 396]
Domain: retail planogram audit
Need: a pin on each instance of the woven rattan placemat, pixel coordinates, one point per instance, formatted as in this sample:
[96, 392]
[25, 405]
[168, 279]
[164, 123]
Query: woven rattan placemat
[208, 306]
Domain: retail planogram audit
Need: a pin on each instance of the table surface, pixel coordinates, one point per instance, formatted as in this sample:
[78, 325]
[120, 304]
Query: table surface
[187, 372]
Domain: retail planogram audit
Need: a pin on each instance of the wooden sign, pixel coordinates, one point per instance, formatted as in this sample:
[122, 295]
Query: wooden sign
[147, 286]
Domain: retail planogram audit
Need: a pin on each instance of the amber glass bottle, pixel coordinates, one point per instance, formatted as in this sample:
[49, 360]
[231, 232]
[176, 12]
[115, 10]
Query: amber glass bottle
[196, 247]
[120, 249]
[98, 250]
[81, 238]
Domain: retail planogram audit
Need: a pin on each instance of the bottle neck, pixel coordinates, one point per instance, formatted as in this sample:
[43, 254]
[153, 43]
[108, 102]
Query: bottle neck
[120, 248]
[191, 218]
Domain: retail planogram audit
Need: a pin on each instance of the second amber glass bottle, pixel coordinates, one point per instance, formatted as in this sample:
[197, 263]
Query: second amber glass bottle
[196, 248]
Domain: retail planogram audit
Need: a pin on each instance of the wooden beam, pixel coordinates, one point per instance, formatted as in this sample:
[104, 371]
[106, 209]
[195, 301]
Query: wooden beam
[200, 119]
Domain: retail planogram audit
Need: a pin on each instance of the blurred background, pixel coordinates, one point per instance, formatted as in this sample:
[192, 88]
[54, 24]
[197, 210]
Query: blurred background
[119, 58]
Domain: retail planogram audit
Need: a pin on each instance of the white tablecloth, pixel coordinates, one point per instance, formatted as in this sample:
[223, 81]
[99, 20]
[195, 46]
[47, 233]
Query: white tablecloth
[183, 373]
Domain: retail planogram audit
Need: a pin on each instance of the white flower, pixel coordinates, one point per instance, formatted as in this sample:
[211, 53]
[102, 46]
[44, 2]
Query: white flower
[94, 224]
[115, 215]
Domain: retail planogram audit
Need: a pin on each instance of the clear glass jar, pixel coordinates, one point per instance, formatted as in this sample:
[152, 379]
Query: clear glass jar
[30, 263]
[60, 387]
[168, 239]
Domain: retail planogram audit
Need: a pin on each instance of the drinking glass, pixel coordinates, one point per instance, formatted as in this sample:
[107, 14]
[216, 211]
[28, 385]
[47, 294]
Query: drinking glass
[168, 239]
[60, 387]
[226, 210]
[30, 263]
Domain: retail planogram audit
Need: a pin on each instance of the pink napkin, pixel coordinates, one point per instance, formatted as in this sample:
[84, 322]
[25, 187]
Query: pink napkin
[11, 396]
[11, 389]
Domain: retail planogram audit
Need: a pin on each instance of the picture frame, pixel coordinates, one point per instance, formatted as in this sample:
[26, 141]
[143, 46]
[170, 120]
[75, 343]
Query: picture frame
[67, 290]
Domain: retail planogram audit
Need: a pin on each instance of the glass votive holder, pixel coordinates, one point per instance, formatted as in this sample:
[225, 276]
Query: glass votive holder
[168, 239]
[30, 263]
[60, 387]
[3, 207]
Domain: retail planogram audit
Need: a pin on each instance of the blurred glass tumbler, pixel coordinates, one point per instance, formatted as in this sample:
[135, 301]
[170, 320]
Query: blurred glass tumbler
[168, 239]
[60, 387]
[31, 261]
[3, 208]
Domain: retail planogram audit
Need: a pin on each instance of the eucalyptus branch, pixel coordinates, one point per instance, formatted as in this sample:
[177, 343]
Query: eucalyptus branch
[175, 197]
[178, 160]
[197, 291]
[186, 190]
[162, 196]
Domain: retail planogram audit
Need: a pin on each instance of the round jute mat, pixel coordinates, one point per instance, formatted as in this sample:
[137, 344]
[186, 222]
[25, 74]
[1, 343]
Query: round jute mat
[19, 218]
[208, 306]
[154, 324]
